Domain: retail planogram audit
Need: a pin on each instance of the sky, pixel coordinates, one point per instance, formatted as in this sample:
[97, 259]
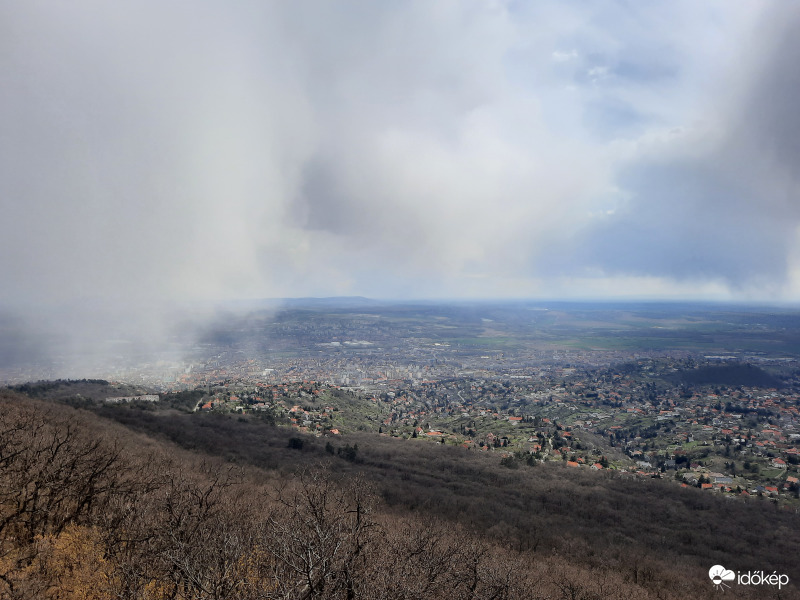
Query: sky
[177, 151]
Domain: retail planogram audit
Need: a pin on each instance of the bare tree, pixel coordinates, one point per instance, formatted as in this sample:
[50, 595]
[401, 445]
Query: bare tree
[318, 534]
[52, 474]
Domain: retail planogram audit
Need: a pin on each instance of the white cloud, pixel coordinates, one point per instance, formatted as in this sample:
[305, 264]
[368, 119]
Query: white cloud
[282, 149]
[562, 56]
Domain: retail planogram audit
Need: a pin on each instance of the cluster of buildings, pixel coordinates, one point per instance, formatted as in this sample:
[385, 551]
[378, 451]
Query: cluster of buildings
[730, 438]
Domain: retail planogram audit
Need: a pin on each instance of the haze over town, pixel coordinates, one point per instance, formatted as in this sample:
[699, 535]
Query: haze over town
[163, 154]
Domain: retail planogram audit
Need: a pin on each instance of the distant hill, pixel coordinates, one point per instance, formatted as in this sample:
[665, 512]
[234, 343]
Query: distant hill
[734, 374]
[310, 303]
[69, 389]
[336, 301]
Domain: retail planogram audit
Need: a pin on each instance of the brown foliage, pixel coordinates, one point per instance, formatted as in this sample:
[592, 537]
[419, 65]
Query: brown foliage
[88, 510]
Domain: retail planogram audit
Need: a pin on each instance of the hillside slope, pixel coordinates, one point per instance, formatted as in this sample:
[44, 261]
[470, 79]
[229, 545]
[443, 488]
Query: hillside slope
[143, 504]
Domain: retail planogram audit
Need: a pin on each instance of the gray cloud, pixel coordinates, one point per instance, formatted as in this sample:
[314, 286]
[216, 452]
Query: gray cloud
[768, 125]
[690, 221]
[722, 206]
[172, 150]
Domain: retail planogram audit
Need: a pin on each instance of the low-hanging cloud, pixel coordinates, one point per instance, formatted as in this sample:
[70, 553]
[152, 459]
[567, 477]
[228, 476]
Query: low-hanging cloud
[174, 150]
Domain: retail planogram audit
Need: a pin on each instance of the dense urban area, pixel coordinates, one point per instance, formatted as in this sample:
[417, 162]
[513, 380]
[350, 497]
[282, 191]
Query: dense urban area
[706, 399]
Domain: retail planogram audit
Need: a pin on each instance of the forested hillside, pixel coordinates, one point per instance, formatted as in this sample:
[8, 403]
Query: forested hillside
[127, 503]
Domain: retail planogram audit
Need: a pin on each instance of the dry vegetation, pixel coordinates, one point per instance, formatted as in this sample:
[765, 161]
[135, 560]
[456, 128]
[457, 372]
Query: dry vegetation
[92, 509]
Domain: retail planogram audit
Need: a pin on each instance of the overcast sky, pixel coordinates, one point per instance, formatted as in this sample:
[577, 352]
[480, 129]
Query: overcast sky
[216, 150]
